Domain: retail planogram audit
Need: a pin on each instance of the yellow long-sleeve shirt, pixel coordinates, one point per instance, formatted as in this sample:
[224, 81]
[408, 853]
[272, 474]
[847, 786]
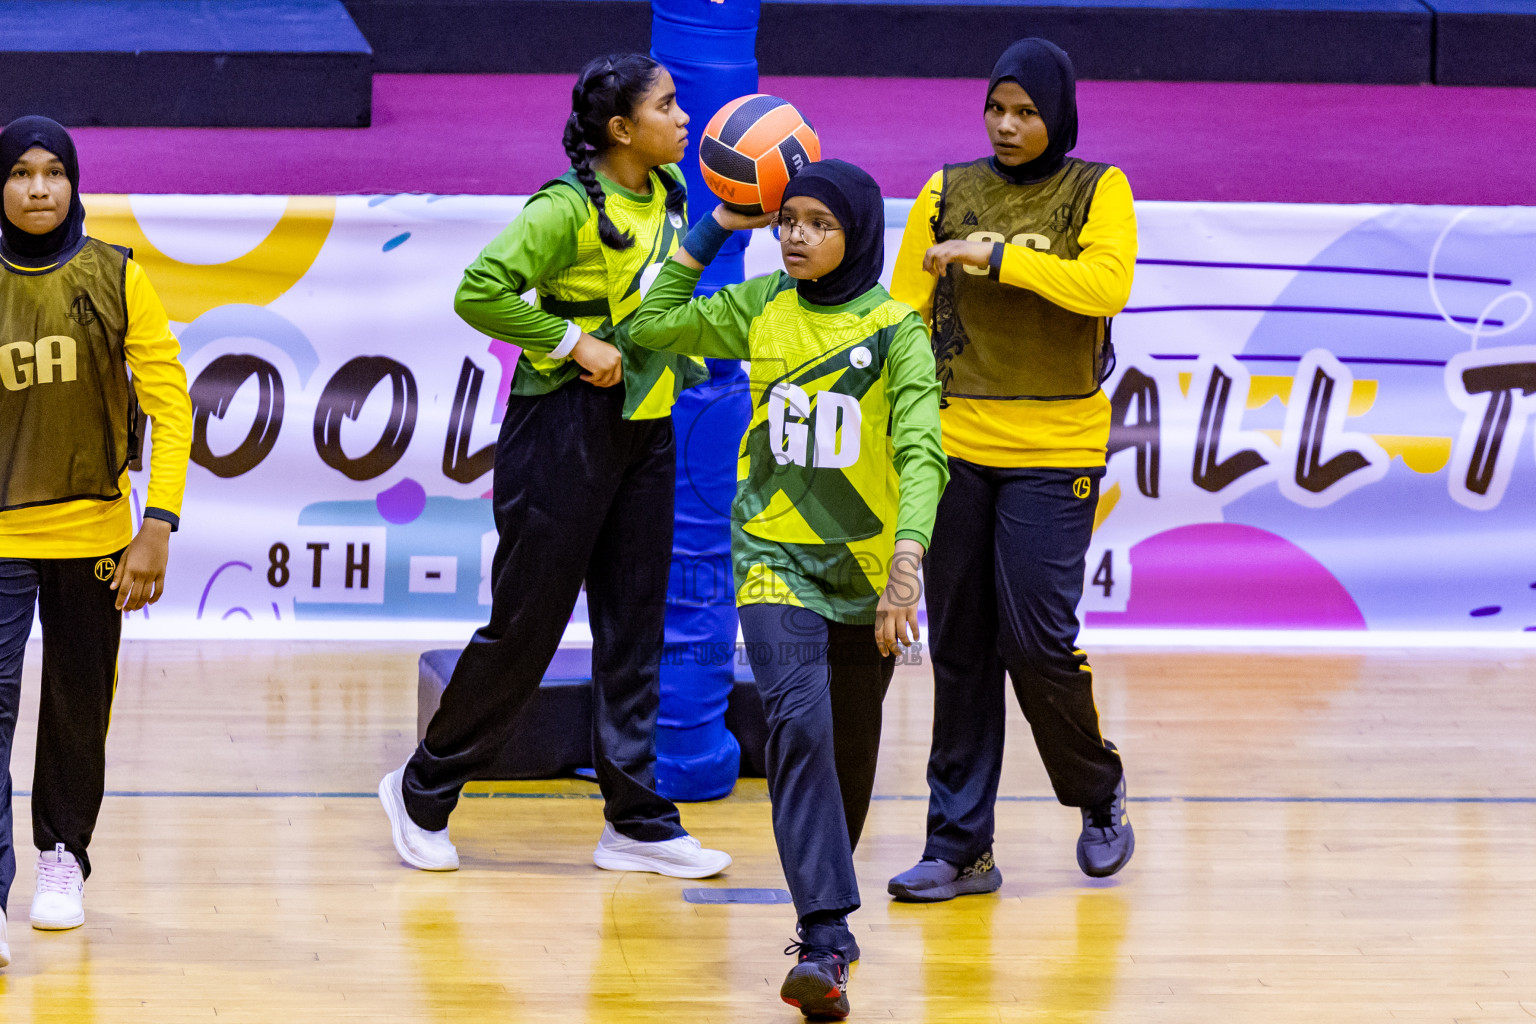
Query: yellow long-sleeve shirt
[1098, 283]
[88, 529]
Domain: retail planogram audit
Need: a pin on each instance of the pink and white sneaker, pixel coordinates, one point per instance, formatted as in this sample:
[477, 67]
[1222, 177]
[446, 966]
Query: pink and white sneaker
[59, 903]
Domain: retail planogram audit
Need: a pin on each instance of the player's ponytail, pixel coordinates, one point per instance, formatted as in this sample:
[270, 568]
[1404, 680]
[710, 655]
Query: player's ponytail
[581, 163]
[677, 196]
[610, 87]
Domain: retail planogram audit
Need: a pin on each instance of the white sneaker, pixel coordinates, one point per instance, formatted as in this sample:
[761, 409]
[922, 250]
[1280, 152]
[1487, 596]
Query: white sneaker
[5, 946]
[59, 903]
[682, 857]
[429, 851]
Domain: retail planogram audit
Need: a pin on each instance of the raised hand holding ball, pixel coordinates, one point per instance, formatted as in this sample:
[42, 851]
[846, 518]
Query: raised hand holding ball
[752, 147]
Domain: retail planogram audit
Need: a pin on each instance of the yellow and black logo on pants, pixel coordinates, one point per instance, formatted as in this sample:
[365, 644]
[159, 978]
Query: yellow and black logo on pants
[1082, 487]
[106, 568]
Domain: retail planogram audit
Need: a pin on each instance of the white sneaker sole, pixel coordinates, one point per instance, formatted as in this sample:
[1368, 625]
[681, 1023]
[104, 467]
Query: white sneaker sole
[394, 808]
[610, 860]
[44, 925]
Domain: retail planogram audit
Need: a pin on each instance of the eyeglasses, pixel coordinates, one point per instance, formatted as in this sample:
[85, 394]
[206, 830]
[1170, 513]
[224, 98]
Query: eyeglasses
[811, 232]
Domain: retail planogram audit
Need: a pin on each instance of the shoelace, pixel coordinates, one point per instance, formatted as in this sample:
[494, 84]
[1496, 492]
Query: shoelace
[57, 876]
[808, 951]
[1102, 817]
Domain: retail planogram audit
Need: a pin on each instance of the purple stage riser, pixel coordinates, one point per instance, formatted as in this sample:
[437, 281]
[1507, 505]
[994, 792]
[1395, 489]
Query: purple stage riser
[1186, 141]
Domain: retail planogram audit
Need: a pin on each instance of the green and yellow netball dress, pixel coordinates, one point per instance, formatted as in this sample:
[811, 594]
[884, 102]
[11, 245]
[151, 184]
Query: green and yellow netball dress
[842, 455]
[553, 248]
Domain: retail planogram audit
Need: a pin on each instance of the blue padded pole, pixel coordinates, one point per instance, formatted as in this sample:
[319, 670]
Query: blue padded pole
[710, 48]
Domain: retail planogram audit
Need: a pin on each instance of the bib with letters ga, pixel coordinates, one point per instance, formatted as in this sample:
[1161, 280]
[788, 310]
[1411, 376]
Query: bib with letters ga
[66, 406]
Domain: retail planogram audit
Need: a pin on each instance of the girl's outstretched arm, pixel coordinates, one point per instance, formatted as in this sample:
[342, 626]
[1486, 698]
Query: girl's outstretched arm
[670, 319]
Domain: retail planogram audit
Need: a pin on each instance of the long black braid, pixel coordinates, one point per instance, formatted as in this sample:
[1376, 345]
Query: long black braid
[610, 87]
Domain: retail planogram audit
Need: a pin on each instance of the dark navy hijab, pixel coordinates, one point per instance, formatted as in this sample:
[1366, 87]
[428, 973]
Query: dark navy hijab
[16, 244]
[1044, 71]
[854, 199]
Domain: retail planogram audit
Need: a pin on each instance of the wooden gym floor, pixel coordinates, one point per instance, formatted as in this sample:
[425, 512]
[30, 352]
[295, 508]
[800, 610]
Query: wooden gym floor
[1321, 837]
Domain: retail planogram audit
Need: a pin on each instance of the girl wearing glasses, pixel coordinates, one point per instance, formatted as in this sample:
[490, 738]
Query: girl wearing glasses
[1018, 260]
[841, 472]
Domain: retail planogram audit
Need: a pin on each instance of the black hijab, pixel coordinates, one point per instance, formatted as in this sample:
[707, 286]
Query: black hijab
[1044, 71]
[854, 199]
[20, 246]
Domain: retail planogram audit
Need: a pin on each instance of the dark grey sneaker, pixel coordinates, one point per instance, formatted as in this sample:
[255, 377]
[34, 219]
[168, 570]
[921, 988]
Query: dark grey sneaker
[844, 940]
[1107, 840]
[818, 983]
[933, 881]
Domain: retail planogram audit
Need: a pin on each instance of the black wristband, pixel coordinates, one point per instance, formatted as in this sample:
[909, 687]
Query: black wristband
[164, 516]
[706, 239]
[995, 261]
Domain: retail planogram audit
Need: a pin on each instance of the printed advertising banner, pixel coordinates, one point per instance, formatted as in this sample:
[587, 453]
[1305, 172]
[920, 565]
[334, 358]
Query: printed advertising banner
[1322, 416]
